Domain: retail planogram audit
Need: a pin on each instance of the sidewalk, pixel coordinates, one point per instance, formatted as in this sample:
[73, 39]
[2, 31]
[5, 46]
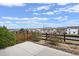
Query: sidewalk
[32, 49]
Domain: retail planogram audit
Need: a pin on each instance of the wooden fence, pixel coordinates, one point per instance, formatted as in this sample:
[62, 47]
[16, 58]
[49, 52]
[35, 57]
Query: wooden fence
[26, 35]
[23, 36]
[64, 37]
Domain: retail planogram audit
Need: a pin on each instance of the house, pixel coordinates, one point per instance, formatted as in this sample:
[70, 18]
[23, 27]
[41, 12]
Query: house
[68, 30]
[72, 30]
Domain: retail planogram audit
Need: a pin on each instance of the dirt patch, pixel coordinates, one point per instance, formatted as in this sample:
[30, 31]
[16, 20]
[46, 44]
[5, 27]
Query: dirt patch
[74, 49]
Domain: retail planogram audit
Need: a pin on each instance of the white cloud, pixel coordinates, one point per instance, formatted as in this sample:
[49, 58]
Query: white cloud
[74, 22]
[37, 24]
[28, 22]
[37, 18]
[74, 8]
[5, 22]
[33, 23]
[45, 6]
[12, 4]
[8, 24]
[42, 8]
[61, 18]
[49, 13]
[16, 18]
[36, 14]
[41, 1]
[62, 3]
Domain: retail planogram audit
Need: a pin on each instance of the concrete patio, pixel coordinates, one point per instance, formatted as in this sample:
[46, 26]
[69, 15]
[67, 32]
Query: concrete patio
[31, 49]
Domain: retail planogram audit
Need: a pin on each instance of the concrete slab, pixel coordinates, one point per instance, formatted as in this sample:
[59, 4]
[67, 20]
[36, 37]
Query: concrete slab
[32, 49]
[14, 51]
[52, 52]
[2, 53]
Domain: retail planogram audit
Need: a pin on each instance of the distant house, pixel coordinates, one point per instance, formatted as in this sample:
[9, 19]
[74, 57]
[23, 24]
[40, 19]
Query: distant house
[68, 30]
[72, 30]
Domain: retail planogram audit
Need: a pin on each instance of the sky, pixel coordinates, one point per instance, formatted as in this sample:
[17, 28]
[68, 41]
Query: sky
[39, 15]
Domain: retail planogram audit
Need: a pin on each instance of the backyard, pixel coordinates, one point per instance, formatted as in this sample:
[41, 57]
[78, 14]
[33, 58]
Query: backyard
[49, 40]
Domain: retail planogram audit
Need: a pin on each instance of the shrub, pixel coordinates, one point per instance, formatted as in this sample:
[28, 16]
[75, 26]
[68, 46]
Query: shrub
[54, 40]
[7, 38]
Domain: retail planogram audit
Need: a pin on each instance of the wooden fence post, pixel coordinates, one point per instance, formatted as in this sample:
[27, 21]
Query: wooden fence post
[27, 34]
[46, 36]
[64, 37]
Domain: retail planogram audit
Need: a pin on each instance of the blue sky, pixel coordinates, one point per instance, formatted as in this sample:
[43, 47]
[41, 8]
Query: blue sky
[37, 15]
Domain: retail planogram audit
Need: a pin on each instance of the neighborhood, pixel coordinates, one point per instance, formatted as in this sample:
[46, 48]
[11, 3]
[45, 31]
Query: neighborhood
[71, 30]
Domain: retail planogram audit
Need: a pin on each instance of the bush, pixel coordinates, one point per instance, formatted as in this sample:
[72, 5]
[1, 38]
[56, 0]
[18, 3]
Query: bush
[7, 38]
[54, 40]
